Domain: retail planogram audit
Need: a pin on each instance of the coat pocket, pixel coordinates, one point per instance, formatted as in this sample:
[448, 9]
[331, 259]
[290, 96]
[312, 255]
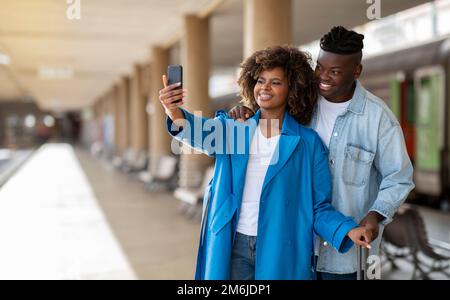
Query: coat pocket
[223, 214]
[357, 165]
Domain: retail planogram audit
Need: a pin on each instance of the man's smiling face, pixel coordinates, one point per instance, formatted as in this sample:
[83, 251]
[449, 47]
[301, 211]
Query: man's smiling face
[336, 75]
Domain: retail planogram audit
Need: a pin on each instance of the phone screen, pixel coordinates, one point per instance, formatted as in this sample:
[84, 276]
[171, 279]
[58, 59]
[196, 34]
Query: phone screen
[175, 74]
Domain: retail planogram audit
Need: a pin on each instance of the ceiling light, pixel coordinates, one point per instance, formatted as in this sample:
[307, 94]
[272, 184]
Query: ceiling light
[49, 121]
[30, 121]
[47, 73]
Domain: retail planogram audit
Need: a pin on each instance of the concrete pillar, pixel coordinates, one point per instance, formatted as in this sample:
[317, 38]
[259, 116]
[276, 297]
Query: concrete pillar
[101, 121]
[159, 138]
[266, 23]
[195, 56]
[110, 122]
[98, 120]
[96, 109]
[123, 115]
[145, 79]
[114, 110]
[146, 93]
[138, 115]
[143, 99]
[2, 130]
[116, 103]
[103, 108]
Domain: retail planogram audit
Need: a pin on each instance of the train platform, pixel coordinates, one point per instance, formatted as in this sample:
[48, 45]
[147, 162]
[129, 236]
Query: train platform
[10, 161]
[68, 215]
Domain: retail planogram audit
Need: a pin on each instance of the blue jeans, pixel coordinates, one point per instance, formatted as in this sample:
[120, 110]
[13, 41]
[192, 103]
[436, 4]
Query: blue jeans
[243, 257]
[331, 276]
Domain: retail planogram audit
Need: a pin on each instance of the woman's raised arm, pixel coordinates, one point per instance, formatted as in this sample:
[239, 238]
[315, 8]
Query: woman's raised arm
[171, 98]
[204, 134]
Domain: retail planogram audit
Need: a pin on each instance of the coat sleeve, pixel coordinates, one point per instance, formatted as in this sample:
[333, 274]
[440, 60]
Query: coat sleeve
[203, 134]
[330, 224]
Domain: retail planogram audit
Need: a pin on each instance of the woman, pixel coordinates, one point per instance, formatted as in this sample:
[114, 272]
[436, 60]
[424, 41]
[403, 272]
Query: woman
[266, 203]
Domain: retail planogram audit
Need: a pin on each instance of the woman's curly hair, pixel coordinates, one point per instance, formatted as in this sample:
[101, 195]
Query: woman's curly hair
[302, 96]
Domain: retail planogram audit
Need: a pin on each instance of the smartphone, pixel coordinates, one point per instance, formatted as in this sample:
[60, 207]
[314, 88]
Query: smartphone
[174, 75]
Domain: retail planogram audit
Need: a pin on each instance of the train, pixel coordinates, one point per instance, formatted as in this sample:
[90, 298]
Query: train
[414, 82]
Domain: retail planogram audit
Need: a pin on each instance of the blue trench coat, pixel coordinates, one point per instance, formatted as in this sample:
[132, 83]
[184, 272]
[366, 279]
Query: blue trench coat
[295, 202]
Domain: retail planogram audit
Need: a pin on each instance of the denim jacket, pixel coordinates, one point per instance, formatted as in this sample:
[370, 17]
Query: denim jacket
[370, 169]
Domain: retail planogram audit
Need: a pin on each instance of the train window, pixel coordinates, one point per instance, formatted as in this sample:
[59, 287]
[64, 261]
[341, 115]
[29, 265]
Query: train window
[395, 97]
[12, 121]
[429, 88]
[410, 107]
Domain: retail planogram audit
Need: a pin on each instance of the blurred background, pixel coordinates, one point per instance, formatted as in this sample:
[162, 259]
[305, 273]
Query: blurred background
[89, 187]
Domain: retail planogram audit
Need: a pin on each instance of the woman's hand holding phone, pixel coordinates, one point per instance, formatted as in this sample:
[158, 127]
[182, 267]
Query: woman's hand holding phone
[171, 98]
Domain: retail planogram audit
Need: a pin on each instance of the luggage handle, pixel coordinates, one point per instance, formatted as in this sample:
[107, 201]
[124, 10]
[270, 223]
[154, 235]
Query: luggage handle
[362, 256]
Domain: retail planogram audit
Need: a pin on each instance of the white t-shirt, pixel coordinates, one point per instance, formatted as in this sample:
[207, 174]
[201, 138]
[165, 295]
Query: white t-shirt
[261, 152]
[326, 117]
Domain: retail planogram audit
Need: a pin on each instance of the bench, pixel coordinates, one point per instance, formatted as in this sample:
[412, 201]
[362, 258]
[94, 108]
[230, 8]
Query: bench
[191, 197]
[406, 238]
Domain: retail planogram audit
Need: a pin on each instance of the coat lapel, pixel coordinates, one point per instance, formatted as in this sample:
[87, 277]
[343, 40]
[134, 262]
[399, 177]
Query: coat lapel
[239, 161]
[287, 143]
[285, 148]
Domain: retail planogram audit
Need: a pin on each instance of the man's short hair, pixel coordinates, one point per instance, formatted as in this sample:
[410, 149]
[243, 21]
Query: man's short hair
[342, 41]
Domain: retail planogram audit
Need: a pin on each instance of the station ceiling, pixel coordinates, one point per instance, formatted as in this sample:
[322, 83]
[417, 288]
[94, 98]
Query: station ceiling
[66, 64]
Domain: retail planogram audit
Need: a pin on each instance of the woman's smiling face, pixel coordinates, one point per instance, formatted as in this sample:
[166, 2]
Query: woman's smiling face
[271, 89]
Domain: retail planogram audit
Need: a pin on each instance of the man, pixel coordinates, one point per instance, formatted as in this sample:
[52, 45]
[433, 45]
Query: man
[371, 170]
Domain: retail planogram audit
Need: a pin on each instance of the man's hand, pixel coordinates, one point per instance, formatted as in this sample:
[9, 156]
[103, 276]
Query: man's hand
[240, 113]
[360, 236]
[370, 221]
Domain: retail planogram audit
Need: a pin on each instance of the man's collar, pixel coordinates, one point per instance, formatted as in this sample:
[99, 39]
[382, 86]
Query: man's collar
[358, 100]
